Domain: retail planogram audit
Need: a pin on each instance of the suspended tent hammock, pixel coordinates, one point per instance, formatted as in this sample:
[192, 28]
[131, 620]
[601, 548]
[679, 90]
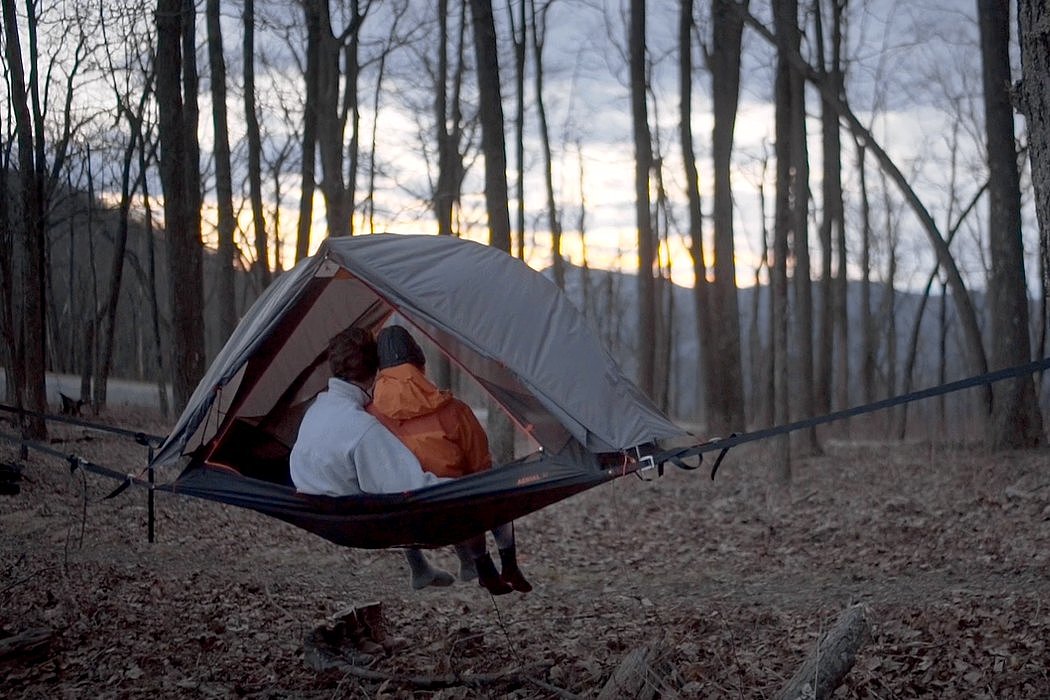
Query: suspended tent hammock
[496, 318]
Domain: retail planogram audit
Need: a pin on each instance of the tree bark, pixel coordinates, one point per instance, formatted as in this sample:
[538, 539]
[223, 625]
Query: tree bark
[1016, 419]
[308, 165]
[832, 218]
[226, 296]
[784, 220]
[493, 142]
[1033, 98]
[30, 342]
[179, 175]
[251, 122]
[539, 31]
[824, 670]
[701, 291]
[725, 392]
[643, 166]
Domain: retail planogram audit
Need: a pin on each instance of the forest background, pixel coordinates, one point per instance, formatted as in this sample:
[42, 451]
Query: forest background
[828, 202]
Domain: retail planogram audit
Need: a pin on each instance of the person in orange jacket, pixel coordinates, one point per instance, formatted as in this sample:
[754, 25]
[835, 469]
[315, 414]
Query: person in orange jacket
[447, 439]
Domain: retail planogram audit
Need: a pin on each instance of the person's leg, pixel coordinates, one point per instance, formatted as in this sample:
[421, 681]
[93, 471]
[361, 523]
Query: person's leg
[488, 577]
[467, 570]
[423, 574]
[508, 556]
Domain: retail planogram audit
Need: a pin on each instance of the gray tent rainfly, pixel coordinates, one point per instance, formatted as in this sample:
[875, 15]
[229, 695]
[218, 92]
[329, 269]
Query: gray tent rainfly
[499, 320]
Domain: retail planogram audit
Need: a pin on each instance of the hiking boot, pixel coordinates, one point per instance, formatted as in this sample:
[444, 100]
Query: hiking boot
[489, 578]
[371, 617]
[326, 643]
[511, 573]
[352, 630]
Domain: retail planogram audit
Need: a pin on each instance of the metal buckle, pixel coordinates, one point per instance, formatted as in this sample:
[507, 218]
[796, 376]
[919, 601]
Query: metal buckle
[648, 470]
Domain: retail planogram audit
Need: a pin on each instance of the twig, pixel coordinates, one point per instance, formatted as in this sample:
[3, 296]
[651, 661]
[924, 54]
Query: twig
[560, 692]
[423, 682]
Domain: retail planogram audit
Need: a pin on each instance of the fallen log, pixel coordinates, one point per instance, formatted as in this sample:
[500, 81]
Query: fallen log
[643, 675]
[826, 668]
[27, 646]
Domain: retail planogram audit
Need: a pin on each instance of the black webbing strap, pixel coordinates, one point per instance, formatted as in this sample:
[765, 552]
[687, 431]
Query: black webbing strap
[138, 436]
[678, 455]
[76, 462]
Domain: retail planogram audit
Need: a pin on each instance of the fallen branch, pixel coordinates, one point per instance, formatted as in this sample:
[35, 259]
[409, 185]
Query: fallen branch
[30, 645]
[643, 674]
[826, 668]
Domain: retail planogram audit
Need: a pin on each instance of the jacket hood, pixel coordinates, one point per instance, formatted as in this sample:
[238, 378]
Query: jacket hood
[404, 392]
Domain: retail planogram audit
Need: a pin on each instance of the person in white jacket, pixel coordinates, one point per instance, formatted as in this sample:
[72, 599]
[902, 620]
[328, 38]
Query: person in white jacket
[341, 449]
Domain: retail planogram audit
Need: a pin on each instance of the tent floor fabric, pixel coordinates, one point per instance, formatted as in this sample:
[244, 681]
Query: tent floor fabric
[947, 548]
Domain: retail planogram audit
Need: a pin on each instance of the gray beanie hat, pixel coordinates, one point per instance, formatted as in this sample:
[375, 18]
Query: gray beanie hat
[397, 347]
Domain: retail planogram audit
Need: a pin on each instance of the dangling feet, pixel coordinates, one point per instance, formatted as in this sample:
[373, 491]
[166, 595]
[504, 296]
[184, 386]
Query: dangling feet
[467, 570]
[489, 578]
[423, 573]
[511, 573]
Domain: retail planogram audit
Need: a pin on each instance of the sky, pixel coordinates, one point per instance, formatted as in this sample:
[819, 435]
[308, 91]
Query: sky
[913, 75]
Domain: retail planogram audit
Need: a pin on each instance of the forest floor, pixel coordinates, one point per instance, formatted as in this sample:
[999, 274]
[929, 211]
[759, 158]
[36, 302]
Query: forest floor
[947, 547]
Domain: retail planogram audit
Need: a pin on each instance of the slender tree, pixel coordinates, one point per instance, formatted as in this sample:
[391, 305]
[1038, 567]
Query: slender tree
[179, 170]
[251, 122]
[701, 310]
[643, 166]
[227, 224]
[539, 33]
[1033, 98]
[832, 221]
[30, 348]
[1016, 418]
[725, 393]
[493, 143]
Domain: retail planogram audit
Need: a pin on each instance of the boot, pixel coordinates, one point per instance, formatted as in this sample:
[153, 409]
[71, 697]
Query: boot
[467, 570]
[371, 617]
[348, 626]
[511, 573]
[489, 578]
[423, 574]
[328, 642]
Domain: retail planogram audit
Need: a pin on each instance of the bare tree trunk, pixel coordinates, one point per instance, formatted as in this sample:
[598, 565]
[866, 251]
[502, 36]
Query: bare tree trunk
[868, 350]
[179, 176]
[501, 432]
[803, 309]
[490, 110]
[701, 294]
[785, 18]
[226, 292]
[30, 343]
[519, 32]
[1016, 419]
[643, 166]
[539, 32]
[832, 219]
[1033, 97]
[151, 280]
[448, 125]
[308, 166]
[251, 121]
[725, 391]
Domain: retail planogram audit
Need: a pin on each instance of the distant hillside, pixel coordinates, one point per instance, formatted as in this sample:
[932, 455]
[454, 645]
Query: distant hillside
[611, 305]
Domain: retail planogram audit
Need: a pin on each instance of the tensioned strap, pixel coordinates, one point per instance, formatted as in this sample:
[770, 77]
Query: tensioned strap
[76, 462]
[137, 436]
[676, 456]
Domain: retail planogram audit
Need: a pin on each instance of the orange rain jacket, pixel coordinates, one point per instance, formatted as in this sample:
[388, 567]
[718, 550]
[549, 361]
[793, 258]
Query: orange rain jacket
[440, 430]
